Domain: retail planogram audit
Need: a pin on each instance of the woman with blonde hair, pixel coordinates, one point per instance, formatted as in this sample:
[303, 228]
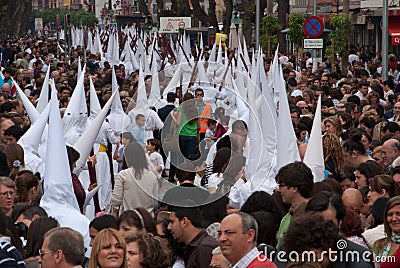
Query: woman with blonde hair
[15, 158]
[333, 126]
[144, 250]
[108, 250]
[308, 96]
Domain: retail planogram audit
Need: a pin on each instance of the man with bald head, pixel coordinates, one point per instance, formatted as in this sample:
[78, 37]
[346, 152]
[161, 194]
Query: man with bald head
[238, 240]
[390, 151]
[353, 198]
[5, 90]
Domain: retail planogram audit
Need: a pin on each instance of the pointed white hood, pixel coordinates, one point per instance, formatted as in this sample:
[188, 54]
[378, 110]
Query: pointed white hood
[314, 157]
[95, 107]
[141, 100]
[32, 138]
[288, 152]
[44, 93]
[85, 142]
[75, 116]
[155, 95]
[30, 109]
[59, 199]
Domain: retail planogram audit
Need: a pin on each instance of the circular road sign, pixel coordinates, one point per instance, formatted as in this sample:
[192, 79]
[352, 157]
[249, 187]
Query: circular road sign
[313, 27]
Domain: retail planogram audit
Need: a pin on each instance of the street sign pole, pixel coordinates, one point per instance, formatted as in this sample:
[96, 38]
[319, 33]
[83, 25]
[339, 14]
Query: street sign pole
[314, 52]
[385, 41]
[257, 24]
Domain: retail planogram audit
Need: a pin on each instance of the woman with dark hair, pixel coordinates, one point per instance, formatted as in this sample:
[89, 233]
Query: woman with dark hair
[382, 186]
[329, 205]
[35, 239]
[213, 212]
[146, 251]
[389, 246]
[220, 163]
[365, 171]
[233, 172]
[135, 186]
[136, 220]
[267, 227]
[27, 187]
[258, 201]
[15, 159]
[354, 152]
[168, 239]
[351, 227]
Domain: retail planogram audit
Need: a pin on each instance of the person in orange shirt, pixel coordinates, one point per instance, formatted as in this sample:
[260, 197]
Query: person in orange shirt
[205, 112]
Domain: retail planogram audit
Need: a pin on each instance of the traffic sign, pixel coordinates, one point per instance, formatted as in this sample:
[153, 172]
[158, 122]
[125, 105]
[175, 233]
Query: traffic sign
[313, 27]
[313, 43]
[173, 24]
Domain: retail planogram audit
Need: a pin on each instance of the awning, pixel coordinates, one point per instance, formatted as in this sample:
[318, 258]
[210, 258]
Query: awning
[394, 29]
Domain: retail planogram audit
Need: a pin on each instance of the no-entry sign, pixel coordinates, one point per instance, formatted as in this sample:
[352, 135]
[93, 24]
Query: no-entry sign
[313, 27]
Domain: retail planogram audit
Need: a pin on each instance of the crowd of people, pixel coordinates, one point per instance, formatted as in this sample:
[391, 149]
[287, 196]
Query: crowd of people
[137, 219]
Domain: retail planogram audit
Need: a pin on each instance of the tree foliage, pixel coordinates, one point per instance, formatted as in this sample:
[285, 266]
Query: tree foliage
[77, 17]
[340, 37]
[14, 17]
[296, 32]
[269, 29]
[342, 28]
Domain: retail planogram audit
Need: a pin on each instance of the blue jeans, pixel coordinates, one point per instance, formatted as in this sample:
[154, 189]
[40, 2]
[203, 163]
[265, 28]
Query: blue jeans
[187, 145]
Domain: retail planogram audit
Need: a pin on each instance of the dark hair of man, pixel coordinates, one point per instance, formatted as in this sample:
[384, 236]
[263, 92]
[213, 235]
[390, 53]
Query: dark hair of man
[171, 97]
[323, 200]
[69, 241]
[104, 222]
[353, 99]
[14, 131]
[199, 90]
[239, 125]
[185, 171]
[30, 211]
[187, 208]
[298, 175]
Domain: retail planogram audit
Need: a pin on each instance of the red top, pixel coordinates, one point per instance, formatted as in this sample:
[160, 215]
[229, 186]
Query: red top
[262, 261]
[392, 261]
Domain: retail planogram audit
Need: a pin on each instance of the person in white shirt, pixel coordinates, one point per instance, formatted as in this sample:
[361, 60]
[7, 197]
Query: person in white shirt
[156, 162]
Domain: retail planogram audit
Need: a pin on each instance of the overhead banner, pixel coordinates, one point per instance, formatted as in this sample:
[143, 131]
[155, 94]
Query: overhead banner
[173, 24]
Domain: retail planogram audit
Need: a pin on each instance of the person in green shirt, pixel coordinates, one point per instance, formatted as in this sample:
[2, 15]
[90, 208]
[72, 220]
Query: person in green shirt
[187, 121]
[295, 183]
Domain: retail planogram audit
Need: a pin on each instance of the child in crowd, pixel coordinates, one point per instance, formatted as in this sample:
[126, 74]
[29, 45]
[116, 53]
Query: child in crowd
[138, 130]
[210, 137]
[126, 138]
[156, 162]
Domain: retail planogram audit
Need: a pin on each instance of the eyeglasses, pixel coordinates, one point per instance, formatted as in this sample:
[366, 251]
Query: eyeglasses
[42, 253]
[324, 80]
[10, 193]
[199, 95]
[162, 235]
[304, 108]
